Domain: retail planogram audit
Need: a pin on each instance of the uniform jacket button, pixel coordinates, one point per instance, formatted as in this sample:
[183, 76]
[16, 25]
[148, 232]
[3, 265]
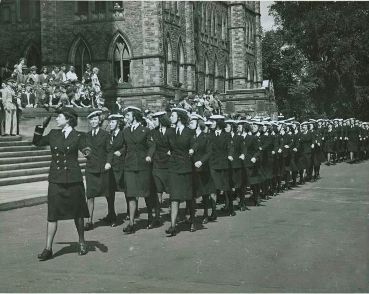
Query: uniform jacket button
[57, 161]
[55, 147]
[57, 154]
[68, 147]
[65, 167]
[65, 161]
[58, 167]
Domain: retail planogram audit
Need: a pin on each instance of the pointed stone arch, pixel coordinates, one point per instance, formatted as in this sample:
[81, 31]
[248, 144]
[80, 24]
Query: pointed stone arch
[168, 69]
[227, 81]
[207, 72]
[79, 54]
[120, 56]
[216, 77]
[32, 54]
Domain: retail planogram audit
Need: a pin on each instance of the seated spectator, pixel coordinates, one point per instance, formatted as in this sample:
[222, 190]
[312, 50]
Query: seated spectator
[63, 69]
[76, 101]
[86, 79]
[18, 70]
[71, 75]
[64, 99]
[57, 75]
[85, 100]
[54, 98]
[33, 76]
[44, 76]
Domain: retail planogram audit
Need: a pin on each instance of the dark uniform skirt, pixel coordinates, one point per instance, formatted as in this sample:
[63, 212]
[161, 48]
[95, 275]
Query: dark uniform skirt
[221, 178]
[204, 184]
[161, 180]
[66, 201]
[138, 183]
[181, 187]
[116, 180]
[237, 177]
[97, 184]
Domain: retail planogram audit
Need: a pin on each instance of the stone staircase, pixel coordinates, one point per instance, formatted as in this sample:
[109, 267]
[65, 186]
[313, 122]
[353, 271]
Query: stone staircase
[21, 162]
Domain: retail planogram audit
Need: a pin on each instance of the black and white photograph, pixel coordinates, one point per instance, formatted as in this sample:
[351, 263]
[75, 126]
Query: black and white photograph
[184, 146]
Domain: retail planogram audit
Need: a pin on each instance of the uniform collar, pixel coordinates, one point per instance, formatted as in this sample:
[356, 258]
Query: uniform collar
[66, 131]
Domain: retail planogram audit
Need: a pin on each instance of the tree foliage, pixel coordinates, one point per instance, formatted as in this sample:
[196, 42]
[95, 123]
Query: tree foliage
[318, 58]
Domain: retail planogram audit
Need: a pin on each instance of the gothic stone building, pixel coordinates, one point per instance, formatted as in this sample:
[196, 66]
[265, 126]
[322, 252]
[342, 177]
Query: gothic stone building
[147, 51]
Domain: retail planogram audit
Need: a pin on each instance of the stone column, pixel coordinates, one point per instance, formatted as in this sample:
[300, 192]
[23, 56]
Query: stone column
[237, 35]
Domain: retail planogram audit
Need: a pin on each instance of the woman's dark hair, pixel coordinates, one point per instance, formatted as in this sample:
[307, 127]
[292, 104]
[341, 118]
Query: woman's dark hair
[201, 124]
[72, 120]
[137, 115]
[183, 117]
[275, 129]
[234, 127]
[221, 124]
[247, 127]
[164, 121]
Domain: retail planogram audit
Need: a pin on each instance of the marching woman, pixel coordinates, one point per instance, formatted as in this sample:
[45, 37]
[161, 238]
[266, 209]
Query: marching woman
[115, 165]
[306, 147]
[180, 168]
[97, 176]
[203, 183]
[236, 166]
[139, 148]
[160, 159]
[221, 153]
[66, 192]
[254, 154]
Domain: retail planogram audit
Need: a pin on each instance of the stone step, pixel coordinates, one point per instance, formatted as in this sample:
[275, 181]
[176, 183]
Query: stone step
[32, 164]
[25, 153]
[14, 160]
[10, 138]
[19, 148]
[25, 179]
[15, 143]
[27, 172]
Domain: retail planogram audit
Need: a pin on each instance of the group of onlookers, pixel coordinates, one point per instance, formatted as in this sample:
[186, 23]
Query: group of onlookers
[55, 86]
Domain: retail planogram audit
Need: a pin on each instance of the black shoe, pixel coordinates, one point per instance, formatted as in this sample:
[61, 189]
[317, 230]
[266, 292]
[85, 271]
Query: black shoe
[114, 223]
[89, 226]
[154, 223]
[106, 219]
[205, 220]
[127, 217]
[172, 231]
[232, 213]
[45, 255]
[213, 217]
[192, 227]
[82, 249]
[130, 229]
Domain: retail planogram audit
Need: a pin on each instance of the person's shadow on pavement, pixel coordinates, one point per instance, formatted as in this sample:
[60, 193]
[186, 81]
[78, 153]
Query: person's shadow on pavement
[73, 247]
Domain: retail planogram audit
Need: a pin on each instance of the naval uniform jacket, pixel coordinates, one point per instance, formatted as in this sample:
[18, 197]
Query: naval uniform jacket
[100, 145]
[64, 166]
[220, 147]
[161, 147]
[138, 145]
[238, 148]
[116, 179]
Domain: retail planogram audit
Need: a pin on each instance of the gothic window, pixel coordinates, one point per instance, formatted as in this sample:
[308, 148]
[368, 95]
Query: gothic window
[196, 72]
[208, 20]
[169, 62]
[175, 7]
[121, 62]
[36, 10]
[203, 19]
[82, 7]
[207, 73]
[32, 56]
[166, 5]
[227, 82]
[180, 64]
[214, 24]
[81, 58]
[216, 77]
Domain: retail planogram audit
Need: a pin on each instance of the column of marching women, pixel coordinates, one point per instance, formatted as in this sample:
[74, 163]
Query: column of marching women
[213, 160]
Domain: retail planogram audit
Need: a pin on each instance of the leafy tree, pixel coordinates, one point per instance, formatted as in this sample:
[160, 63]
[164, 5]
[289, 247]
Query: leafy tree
[327, 53]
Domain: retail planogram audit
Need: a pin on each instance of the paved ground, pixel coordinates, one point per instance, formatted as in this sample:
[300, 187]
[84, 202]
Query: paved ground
[311, 239]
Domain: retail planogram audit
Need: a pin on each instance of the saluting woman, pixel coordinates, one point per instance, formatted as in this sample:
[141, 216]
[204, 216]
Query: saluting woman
[180, 168]
[66, 192]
